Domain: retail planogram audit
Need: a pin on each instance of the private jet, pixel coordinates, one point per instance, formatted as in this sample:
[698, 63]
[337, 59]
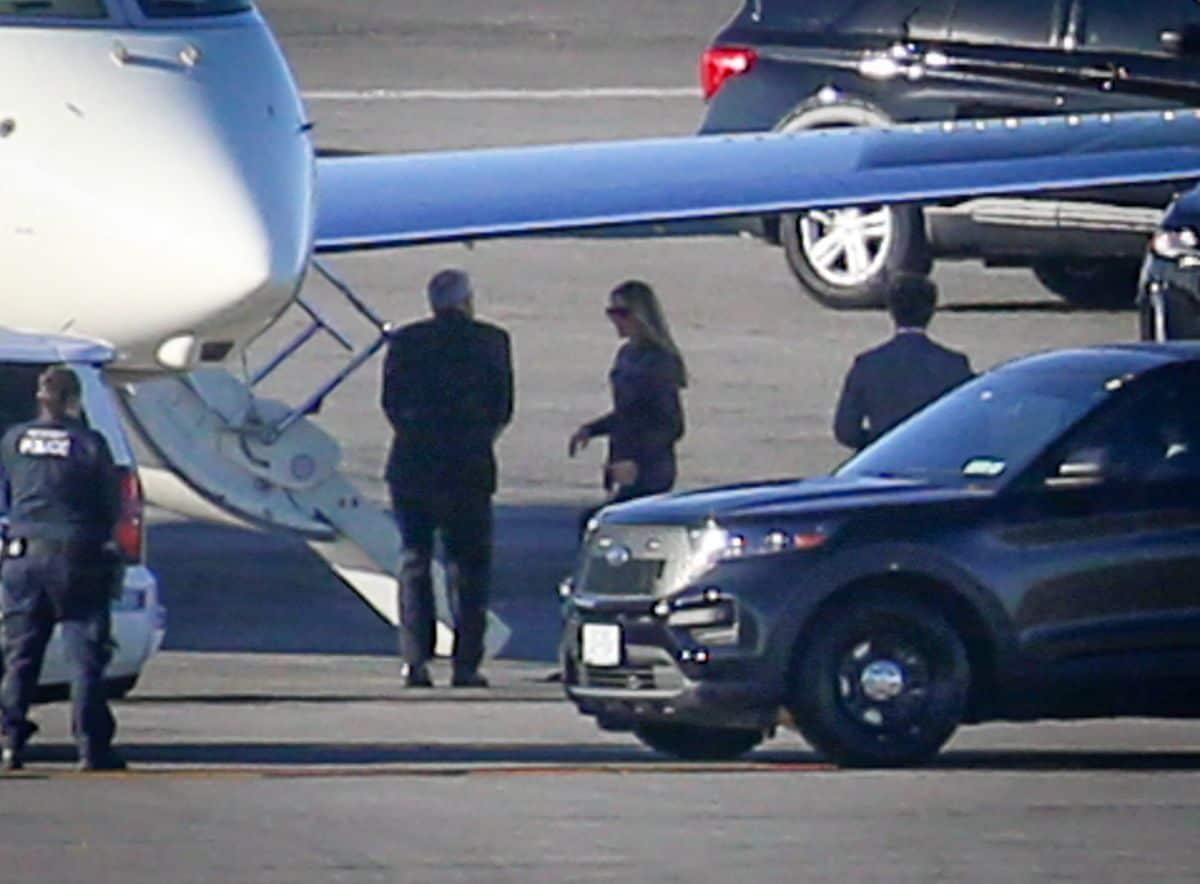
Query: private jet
[160, 194]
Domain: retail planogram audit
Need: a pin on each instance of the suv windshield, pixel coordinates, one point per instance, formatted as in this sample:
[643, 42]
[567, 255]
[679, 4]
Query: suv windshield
[990, 427]
[192, 8]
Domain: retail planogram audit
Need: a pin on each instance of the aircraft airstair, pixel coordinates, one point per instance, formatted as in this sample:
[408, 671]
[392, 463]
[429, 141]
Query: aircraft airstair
[220, 452]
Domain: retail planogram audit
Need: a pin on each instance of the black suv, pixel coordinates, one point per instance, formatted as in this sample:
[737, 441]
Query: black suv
[1025, 547]
[1170, 286]
[802, 64]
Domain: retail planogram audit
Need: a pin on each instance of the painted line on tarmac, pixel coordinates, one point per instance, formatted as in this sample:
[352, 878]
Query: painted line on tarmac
[535, 95]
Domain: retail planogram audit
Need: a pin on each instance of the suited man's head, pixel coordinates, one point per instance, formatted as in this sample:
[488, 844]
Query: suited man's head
[450, 291]
[912, 300]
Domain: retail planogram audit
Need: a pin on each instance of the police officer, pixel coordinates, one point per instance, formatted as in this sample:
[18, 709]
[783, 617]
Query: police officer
[59, 566]
[447, 392]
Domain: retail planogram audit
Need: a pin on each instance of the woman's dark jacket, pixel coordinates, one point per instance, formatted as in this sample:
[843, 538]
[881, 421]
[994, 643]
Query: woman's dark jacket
[647, 416]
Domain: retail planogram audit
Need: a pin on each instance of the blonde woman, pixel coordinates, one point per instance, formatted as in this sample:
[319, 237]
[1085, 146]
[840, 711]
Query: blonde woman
[647, 416]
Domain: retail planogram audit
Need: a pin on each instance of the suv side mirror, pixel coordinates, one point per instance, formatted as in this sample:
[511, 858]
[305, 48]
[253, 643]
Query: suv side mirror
[1184, 40]
[1081, 468]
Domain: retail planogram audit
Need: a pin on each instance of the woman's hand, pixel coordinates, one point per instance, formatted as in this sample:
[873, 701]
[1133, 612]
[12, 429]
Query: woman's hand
[579, 441]
[623, 473]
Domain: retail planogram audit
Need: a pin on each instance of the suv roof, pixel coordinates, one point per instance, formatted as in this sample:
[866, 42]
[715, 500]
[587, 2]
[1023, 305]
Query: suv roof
[16, 346]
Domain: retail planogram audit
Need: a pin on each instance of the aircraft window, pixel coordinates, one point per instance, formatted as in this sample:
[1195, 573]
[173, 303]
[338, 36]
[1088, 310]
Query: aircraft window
[192, 8]
[53, 8]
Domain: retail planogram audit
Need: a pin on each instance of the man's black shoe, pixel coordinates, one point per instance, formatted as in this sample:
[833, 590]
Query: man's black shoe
[416, 676]
[110, 760]
[469, 680]
[10, 759]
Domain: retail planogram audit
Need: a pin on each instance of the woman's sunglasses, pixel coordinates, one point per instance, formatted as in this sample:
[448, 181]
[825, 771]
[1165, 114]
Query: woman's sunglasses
[618, 311]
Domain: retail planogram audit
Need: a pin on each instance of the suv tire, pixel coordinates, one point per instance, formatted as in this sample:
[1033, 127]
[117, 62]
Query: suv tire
[695, 743]
[843, 258]
[1111, 284]
[880, 682]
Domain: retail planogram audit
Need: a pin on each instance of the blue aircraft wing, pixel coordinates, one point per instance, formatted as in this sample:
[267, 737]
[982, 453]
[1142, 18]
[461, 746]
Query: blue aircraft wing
[396, 200]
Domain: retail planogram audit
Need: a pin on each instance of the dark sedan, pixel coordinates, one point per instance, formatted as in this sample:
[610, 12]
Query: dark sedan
[1025, 547]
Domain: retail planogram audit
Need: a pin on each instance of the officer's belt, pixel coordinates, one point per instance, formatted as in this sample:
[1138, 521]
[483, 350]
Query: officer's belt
[18, 547]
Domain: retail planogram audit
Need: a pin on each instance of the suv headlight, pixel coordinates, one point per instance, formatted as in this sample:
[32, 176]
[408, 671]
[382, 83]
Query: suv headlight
[1181, 245]
[713, 544]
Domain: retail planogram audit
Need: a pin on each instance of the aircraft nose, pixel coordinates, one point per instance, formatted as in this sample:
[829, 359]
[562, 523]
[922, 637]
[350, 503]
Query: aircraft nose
[155, 193]
[241, 229]
[240, 217]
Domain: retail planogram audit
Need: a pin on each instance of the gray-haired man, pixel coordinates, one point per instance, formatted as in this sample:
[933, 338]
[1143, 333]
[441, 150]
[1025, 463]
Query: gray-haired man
[448, 393]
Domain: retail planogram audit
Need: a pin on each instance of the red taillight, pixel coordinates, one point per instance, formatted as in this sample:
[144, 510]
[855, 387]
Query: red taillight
[130, 529]
[720, 63]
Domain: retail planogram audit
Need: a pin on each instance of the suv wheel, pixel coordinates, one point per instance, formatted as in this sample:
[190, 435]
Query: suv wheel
[881, 682]
[1110, 284]
[844, 257]
[696, 743]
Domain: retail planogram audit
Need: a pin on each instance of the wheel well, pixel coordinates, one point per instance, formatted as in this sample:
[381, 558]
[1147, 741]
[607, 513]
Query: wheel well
[962, 616]
[813, 113]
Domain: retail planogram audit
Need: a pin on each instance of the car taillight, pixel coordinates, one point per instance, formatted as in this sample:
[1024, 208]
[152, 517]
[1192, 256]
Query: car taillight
[130, 528]
[720, 63]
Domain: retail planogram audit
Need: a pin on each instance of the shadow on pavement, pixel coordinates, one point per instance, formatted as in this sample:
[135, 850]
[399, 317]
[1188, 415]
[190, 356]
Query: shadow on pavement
[1064, 760]
[349, 754]
[239, 590]
[1050, 305]
[313, 755]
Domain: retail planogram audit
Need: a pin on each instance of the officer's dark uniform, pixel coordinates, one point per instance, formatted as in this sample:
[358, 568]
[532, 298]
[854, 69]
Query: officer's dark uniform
[448, 392]
[63, 502]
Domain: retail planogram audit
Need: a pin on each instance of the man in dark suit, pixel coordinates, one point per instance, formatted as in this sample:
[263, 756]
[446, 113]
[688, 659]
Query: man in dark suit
[448, 393]
[892, 381]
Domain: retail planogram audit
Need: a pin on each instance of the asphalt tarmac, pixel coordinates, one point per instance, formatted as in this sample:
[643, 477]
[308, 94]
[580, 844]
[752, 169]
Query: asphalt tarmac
[271, 742]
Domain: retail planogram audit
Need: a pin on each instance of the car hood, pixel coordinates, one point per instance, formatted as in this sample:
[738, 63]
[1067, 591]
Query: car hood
[790, 498]
[1184, 212]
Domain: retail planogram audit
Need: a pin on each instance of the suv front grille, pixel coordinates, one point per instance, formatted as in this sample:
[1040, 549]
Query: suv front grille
[636, 577]
[634, 560]
[633, 678]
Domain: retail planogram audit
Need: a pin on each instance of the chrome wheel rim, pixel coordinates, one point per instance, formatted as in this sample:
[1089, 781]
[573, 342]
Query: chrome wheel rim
[884, 684]
[847, 247]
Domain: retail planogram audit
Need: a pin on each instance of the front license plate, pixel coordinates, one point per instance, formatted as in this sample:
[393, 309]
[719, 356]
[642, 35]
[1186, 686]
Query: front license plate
[601, 644]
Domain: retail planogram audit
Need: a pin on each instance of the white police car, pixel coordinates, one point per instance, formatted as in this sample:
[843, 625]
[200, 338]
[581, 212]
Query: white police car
[139, 620]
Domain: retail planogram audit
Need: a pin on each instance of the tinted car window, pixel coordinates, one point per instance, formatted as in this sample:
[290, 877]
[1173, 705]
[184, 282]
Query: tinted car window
[191, 8]
[1005, 23]
[891, 18]
[1135, 27]
[52, 8]
[18, 392]
[1152, 437]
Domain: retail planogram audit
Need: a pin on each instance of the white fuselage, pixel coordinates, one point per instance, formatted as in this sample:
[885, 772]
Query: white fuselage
[156, 182]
